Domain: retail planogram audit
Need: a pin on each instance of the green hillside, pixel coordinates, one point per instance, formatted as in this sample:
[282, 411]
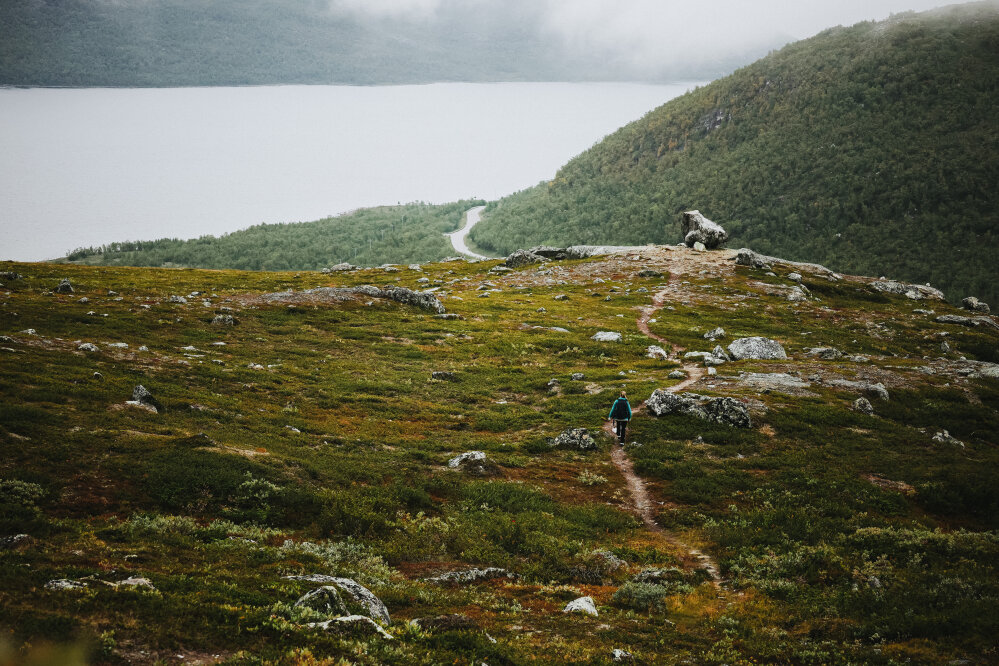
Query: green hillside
[366, 237]
[871, 149]
[297, 438]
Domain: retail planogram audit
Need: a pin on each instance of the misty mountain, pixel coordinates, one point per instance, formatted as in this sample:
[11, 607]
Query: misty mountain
[254, 42]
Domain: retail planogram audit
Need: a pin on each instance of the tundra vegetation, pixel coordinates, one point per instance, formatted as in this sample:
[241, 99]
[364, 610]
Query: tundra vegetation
[315, 441]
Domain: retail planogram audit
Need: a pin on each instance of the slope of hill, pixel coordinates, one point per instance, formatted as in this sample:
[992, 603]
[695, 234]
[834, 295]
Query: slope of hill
[368, 237]
[301, 438]
[153, 43]
[872, 149]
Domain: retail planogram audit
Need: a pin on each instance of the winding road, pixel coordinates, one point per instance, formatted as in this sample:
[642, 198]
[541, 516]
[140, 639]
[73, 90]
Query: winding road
[636, 486]
[472, 217]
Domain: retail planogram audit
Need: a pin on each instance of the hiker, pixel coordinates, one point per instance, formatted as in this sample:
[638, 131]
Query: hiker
[621, 413]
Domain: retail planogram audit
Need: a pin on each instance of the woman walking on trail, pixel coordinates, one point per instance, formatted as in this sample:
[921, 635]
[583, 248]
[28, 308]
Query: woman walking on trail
[621, 413]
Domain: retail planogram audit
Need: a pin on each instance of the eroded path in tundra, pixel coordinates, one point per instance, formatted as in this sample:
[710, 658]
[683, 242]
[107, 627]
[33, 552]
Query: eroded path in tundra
[640, 499]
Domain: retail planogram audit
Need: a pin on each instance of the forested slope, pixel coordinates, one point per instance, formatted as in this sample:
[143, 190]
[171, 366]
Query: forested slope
[367, 237]
[873, 149]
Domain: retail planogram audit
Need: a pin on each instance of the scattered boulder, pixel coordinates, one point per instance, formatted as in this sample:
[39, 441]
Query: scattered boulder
[945, 347]
[341, 267]
[224, 320]
[700, 247]
[65, 584]
[360, 594]
[471, 576]
[773, 381]
[916, 292]
[677, 374]
[656, 352]
[438, 623]
[877, 390]
[698, 229]
[746, 257]
[945, 437]
[824, 353]
[420, 299]
[560, 297]
[549, 252]
[756, 348]
[714, 334]
[444, 376]
[606, 336]
[523, 258]
[607, 561]
[727, 411]
[577, 376]
[574, 438]
[141, 395]
[618, 654]
[177, 299]
[351, 624]
[473, 462]
[863, 405]
[966, 321]
[649, 273]
[137, 582]
[64, 287]
[449, 316]
[325, 599]
[15, 541]
[88, 347]
[794, 277]
[581, 605]
[975, 305]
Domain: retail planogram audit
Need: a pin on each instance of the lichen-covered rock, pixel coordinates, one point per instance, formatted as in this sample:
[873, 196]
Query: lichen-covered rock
[65, 584]
[341, 267]
[438, 623]
[779, 381]
[88, 347]
[863, 405]
[714, 334]
[756, 348]
[419, 299]
[975, 305]
[677, 374]
[469, 576]
[137, 582]
[549, 252]
[649, 273]
[944, 437]
[966, 321]
[577, 376]
[358, 625]
[575, 438]
[143, 396]
[64, 287]
[473, 462]
[360, 594]
[177, 299]
[618, 654]
[606, 336]
[727, 411]
[877, 390]
[325, 599]
[746, 257]
[916, 292]
[696, 228]
[444, 375]
[656, 352]
[224, 320]
[523, 258]
[660, 576]
[581, 605]
[15, 541]
[825, 353]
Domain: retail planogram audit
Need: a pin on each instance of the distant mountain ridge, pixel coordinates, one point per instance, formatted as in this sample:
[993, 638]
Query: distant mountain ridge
[871, 149]
[165, 43]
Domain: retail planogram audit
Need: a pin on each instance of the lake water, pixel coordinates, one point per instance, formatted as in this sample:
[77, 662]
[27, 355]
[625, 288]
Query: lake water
[89, 166]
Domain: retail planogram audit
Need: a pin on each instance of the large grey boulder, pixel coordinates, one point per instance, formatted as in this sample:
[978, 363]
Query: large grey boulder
[574, 438]
[779, 381]
[473, 462]
[756, 348]
[360, 594]
[523, 258]
[64, 287]
[727, 411]
[975, 305]
[916, 292]
[549, 252]
[656, 352]
[714, 334]
[877, 390]
[420, 299]
[606, 336]
[341, 267]
[581, 605]
[863, 405]
[698, 229]
[746, 257]
[825, 353]
[966, 321]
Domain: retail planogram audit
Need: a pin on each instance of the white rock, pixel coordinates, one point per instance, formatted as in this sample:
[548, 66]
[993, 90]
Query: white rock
[467, 456]
[581, 605]
[607, 336]
[756, 348]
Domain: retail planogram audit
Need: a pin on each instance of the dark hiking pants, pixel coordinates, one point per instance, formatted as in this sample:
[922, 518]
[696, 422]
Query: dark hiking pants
[622, 426]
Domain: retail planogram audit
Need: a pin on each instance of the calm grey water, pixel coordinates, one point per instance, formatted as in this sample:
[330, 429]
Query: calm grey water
[90, 166]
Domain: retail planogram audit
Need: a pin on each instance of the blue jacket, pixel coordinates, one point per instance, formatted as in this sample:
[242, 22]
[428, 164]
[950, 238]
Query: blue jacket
[620, 410]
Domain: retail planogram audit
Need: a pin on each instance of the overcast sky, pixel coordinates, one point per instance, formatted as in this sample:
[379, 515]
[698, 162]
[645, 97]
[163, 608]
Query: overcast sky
[653, 31]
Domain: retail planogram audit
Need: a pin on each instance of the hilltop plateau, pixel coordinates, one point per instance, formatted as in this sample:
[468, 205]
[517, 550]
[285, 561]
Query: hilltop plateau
[871, 149]
[384, 466]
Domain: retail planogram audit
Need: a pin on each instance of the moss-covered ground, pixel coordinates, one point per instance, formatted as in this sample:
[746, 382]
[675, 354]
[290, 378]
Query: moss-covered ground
[314, 440]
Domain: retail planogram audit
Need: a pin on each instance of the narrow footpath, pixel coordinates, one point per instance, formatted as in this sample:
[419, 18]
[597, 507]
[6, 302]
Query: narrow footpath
[641, 502]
